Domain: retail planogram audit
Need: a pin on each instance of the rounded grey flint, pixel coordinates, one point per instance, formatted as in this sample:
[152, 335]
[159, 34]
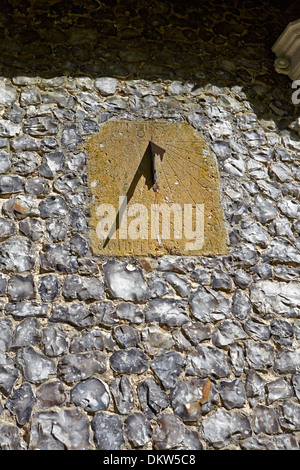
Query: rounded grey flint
[91, 394]
[129, 361]
[16, 255]
[108, 431]
[106, 85]
[124, 281]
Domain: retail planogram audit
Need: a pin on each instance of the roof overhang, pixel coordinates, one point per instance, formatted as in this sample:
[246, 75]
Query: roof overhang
[287, 50]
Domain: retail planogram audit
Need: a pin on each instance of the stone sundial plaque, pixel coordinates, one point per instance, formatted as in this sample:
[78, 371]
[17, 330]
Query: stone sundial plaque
[155, 191]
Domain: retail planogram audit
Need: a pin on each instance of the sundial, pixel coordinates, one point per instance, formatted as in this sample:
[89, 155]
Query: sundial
[155, 188]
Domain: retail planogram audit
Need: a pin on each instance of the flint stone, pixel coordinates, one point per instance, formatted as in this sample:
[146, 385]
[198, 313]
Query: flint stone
[35, 367]
[296, 384]
[227, 332]
[91, 394]
[124, 282]
[138, 429]
[58, 258]
[21, 206]
[157, 288]
[71, 138]
[55, 341]
[280, 298]
[186, 400]
[8, 95]
[11, 184]
[26, 333]
[14, 114]
[76, 314]
[123, 394]
[53, 206]
[241, 306]
[254, 233]
[3, 285]
[286, 273]
[52, 164]
[131, 312]
[129, 361]
[60, 430]
[287, 361]
[104, 312]
[208, 361]
[8, 128]
[37, 186]
[26, 309]
[289, 208]
[259, 355]
[258, 330]
[21, 287]
[30, 95]
[196, 332]
[81, 366]
[264, 420]
[32, 228]
[259, 443]
[83, 288]
[75, 161]
[208, 305]
[168, 368]
[221, 281]
[56, 229]
[108, 431]
[172, 433]
[88, 341]
[232, 394]
[282, 332]
[282, 251]
[21, 403]
[51, 394]
[8, 373]
[156, 340]
[171, 312]
[242, 278]
[24, 163]
[281, 171]
[60, 97]
[5, 163]
[255, 387]
[78, 245]
[246, 254]
[5, 334]
[127, 336]
[223, 427]
[106, 85]
[10, 438]
[264, 210]
[181, 286]
[77, 220]
[16, 255]
[152, 399]
[237, 357]
[40, 126]
[7, 228]
[49, 287]
[262, 271]
[278, 389]
[25, 142]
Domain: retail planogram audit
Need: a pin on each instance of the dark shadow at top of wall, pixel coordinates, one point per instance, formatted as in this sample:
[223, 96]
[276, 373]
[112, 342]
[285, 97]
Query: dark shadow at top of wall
[219, 42]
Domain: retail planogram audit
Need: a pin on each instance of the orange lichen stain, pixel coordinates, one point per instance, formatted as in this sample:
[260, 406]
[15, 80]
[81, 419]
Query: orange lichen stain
[119, 165]
[206, 388]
